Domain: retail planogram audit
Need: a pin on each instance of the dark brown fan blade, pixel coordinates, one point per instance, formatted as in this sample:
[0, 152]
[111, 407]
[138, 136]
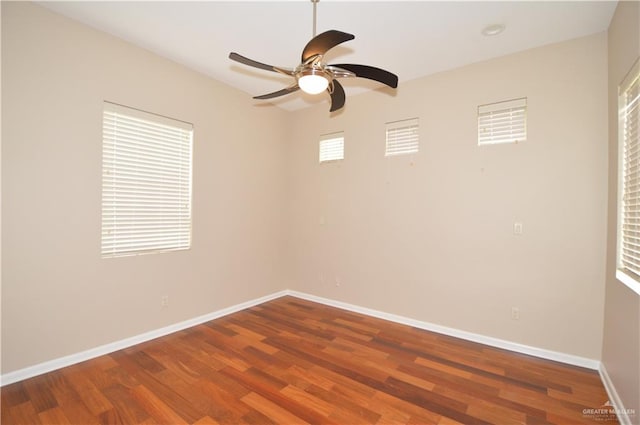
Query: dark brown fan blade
[239, 58]
[370, 72]
[323, 42]
[337, 96]
[282, 92]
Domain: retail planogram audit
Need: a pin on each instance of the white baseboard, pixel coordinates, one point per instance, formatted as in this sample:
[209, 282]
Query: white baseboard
[624, 415]
[469, 336]
[69, 360]
[48, 366]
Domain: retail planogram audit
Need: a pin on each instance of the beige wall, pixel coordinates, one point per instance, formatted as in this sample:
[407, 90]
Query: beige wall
[430, 236]
[427, 236]
[58, 296]
[621, 347]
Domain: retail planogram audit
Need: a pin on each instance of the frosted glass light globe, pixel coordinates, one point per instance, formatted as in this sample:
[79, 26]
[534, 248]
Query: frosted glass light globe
[313, 83]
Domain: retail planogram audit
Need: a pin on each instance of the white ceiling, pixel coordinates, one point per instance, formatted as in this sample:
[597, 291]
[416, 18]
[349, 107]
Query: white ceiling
[411, 39]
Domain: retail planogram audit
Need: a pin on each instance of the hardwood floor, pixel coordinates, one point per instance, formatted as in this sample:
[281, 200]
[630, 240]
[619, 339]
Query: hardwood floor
[291, 361]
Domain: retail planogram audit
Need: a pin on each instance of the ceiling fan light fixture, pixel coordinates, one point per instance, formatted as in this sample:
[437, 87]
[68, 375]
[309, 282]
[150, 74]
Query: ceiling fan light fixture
[313, 81]
[313, 76]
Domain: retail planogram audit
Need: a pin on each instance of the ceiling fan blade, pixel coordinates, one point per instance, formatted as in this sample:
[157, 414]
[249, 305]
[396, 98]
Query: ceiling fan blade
[282, 92]
[337, 96]
[239, 58]
[323, 42]
[370, 72]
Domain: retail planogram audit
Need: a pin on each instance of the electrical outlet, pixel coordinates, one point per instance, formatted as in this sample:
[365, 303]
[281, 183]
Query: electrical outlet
[337, 281]
[517, 228]
[164, 301]
[515, 313]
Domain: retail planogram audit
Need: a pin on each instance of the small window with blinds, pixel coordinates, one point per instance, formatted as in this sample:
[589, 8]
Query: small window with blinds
[146, 182]
[629, 146]
[402, 137]
[502, 122]
[332, 147]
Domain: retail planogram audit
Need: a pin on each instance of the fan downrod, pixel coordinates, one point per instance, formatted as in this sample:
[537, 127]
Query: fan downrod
[315, 16]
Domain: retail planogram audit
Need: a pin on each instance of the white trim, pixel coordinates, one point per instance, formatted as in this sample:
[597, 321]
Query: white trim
[69, 360]
[469, 336]
[630, 77]
[614, 398]
[48, 366]
[628, 280]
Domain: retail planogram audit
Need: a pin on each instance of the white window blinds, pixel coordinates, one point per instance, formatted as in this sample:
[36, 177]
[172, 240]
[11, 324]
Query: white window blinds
[402, 137]
[146, 182]
[629, 135]
[332, 147]
[502, 122]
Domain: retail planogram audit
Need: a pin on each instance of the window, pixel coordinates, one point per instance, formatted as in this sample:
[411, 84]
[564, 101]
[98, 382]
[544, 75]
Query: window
[402, 137]
[332, 147]
[502, 122]
[629, 180]
[146, 182]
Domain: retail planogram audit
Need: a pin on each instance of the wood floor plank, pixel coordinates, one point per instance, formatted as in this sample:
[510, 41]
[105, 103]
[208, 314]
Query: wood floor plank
[310, 378]
[54, 416]
[588, 397]
[223, 406]
[307, 399]
[271, 410]
[87, 392]
[385, 403]
[41, 397]
[77, 411]
[24, 413]
[13, 395]
[156, 407]
[345, 411]
[275, 396]
[496, 414]
[292, 361]
[124, 404]
[206, 421]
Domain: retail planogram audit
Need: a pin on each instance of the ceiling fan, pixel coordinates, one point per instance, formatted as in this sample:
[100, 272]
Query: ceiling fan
[313, 76]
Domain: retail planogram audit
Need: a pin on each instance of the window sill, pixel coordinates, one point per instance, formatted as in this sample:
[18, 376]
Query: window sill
[629, 281]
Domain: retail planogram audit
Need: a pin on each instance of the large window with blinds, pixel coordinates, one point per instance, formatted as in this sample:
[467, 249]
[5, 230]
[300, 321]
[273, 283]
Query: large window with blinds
[146, 182]
[629, 181]
[502, 122]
